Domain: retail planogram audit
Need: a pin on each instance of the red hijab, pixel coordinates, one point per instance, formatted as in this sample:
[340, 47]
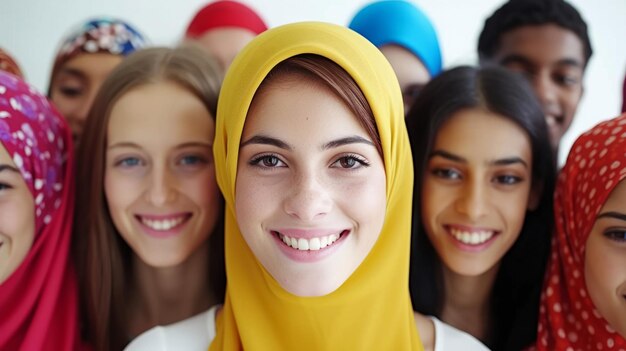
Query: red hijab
[568, 319]
[225, 13]
[38, 302]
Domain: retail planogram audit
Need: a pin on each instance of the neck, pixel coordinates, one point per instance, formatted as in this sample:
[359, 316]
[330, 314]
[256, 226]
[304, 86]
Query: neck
[165, 295]
[467, 301]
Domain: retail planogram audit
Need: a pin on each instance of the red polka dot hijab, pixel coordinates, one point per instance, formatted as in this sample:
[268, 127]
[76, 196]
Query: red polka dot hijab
[38, 302]
[568, 319]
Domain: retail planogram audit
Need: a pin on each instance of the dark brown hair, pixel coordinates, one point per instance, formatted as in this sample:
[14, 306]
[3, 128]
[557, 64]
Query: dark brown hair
[103, 257]
[332, 76]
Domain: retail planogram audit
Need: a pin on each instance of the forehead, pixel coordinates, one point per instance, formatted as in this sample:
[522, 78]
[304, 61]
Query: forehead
[617, 199]
[90, 66]
[541, 44]
[287, 106]
[465, 134]
[160, 112]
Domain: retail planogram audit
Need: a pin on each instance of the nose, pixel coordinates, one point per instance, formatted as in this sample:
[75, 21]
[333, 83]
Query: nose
[474, 201]
[308, 199]
[161, 187]
[83, 110]
[547, 93]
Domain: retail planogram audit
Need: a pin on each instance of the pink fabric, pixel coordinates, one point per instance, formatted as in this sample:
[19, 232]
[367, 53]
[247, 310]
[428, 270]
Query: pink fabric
[38, 302]
[225, 13]
[568, 319]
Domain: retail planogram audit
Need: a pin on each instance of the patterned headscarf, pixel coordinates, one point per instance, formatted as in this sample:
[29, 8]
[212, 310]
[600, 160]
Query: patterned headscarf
[39, 300]
[401, 23]
[225, 13]
[595, 166]
[8, 64]
[99, 35]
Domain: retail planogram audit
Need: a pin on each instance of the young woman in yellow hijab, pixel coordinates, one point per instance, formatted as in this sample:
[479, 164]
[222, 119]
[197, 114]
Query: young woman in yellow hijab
[313, 158]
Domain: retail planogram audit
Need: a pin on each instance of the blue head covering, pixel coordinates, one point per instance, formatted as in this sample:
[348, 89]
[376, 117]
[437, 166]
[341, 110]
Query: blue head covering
[401, 23]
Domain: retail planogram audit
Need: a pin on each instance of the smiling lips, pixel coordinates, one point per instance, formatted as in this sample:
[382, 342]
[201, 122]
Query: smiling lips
[167, 223]
[308, 240]
[471, 237]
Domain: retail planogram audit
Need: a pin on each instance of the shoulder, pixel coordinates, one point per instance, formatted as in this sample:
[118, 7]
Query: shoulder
[449, 338]
[194, 333]
[426, 330]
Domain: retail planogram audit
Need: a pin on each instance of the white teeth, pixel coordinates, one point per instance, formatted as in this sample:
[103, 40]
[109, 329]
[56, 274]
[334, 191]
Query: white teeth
[471, 238]
[313, 244]
[166, 224]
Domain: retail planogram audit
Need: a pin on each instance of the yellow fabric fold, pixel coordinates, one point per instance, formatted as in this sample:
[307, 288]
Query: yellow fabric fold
[372, 309]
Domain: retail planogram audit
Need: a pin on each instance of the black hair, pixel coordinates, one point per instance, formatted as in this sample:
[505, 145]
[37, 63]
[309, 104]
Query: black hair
[515, 297]
[518, 13]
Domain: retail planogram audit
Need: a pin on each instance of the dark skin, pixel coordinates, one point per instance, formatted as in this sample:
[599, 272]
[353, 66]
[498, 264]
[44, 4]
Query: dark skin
[552, 58]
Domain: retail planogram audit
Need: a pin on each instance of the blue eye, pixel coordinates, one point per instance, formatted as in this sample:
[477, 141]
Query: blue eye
[191, 160]
[350, 162]
[128, 162]
[267, 161]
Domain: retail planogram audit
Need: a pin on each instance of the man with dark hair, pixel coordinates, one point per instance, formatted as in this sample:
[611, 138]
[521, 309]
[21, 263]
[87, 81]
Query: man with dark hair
[547, 41]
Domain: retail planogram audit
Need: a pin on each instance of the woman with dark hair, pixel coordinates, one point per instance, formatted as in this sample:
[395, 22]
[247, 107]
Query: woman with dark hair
[149, 237]
[482, 204]
[86, 56]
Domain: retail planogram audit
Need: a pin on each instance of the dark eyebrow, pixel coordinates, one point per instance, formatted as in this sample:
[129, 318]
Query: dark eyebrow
[515, 58]
[499, 162]
[345, 141]
[447, 155]
[617, 215]
[72, 72]
[509, 161]
[9, 168]
[266, 140]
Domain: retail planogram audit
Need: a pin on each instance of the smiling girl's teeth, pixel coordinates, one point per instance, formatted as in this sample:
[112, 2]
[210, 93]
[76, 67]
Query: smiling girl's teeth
[312, 244]
[166, 224]
[471, 238]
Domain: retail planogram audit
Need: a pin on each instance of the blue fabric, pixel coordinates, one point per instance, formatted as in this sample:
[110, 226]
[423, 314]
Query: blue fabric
[401, 23]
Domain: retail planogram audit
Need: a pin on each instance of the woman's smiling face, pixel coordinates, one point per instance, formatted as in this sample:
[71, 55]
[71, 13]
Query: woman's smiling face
[476, 190]
[311, 186]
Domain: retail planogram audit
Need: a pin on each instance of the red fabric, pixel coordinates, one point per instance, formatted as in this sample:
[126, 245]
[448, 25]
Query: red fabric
[624, 96]
[568, 319]
[225, 13]
[38, 302]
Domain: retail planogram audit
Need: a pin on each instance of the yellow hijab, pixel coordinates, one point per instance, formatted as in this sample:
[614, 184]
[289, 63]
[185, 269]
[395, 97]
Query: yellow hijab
[372, 309]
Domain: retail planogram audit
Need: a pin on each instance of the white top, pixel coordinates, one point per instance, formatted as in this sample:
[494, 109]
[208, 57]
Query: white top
[191, 334]
[449, 338]
[197, 332]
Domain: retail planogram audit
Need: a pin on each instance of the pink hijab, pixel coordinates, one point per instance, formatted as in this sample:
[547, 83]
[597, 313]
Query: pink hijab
[38, 302]
[568, 319]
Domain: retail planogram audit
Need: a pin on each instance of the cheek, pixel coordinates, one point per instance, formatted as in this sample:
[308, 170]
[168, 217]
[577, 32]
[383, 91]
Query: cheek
[364, 200]
[254, 202]
[120, 191]
[17, 227]
[604, 272]
[513, 207]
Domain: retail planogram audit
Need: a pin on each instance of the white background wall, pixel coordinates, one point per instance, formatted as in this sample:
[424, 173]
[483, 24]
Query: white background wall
[31, 30]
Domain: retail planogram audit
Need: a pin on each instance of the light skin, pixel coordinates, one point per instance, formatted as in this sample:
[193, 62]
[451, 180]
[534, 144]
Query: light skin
[17, 217]
[307, 169]
[410, 71]
[76, 84]
[475, 195]
[163, 198]
[552, 58]
[605, 260]
[225, 43]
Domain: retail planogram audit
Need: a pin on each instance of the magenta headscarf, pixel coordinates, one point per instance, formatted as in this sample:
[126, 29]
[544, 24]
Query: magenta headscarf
[39, 301]
[568, 319]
